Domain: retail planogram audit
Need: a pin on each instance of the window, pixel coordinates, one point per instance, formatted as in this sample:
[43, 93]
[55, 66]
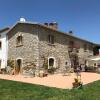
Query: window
[0, 45]
[90, 48]
[19, 40]
[51, 62]
[71, 46]
[51, 39]
[71, 43]
[85, 47]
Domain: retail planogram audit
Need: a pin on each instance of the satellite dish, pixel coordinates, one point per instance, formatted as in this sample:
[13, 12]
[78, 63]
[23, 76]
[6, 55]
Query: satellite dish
[22, 20]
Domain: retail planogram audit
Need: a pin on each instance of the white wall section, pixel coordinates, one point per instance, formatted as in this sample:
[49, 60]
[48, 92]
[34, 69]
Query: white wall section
[3, 50]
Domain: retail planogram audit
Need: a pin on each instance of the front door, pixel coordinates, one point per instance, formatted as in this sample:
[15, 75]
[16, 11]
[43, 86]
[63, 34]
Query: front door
[18, 66]
[51, 62]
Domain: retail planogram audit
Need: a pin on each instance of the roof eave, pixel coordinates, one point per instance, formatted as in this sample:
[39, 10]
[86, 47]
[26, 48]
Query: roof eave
[35, 23]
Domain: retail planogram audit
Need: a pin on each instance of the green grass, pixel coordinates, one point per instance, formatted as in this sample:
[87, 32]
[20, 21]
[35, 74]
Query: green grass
[11, 90]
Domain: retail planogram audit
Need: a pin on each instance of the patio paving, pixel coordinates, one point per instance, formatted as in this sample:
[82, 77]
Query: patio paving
[56, 80]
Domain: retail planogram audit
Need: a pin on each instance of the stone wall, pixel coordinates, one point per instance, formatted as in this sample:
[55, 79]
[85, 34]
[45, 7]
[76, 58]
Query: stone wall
[36, 46]
[28, 51]
[59, 50]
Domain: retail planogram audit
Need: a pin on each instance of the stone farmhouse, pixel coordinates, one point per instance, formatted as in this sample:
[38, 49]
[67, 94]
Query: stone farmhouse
[43, 45]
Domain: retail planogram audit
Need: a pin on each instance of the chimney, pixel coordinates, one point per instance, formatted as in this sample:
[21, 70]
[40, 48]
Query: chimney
[46, 24]
[70, 32]
[22, 20]
[53, 25]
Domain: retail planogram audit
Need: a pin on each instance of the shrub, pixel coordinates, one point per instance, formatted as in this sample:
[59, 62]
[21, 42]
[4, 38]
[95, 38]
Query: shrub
[51, 70]
[45, 63]
[11, 63]
[90, 69]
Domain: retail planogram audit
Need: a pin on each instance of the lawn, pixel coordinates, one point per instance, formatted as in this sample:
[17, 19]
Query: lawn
[11, 90]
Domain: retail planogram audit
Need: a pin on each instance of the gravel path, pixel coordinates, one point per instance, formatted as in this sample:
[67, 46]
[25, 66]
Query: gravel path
[56, 80]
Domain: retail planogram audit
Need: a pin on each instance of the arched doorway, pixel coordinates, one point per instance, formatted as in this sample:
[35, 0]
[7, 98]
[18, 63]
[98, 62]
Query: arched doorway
[18, 66]
[51, 62]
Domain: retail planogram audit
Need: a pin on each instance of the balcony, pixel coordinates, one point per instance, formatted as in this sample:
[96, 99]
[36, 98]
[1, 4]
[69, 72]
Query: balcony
[73, 47]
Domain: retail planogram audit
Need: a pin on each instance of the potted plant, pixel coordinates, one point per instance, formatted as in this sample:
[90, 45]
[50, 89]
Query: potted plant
[77, 83]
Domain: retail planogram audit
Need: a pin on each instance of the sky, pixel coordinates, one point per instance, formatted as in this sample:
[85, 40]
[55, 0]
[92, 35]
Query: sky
[80, 16]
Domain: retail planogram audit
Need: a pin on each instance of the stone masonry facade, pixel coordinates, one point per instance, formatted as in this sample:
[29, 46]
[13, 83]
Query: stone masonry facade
[35, 46]
[28, 51]
[59, 50]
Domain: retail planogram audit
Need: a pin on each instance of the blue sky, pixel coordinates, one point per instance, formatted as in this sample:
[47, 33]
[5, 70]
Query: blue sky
[80, 16]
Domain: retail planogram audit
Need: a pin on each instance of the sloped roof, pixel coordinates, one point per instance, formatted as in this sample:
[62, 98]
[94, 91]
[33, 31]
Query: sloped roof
[4, 29]
[44, 26]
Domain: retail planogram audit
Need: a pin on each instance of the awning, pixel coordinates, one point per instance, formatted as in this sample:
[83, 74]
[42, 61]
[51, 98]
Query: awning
[96, 59]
